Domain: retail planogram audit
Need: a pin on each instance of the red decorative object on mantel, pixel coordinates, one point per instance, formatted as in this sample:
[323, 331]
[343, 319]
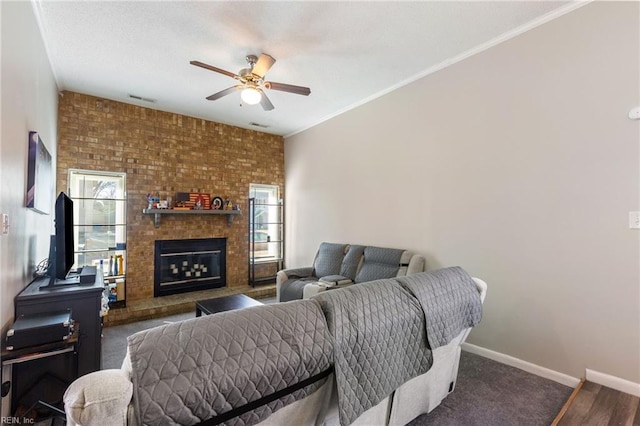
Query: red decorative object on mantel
[200, 201]
[192, 201]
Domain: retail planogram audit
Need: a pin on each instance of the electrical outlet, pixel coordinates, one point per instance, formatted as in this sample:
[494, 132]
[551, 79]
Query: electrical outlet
[634, 220]
[5, 224]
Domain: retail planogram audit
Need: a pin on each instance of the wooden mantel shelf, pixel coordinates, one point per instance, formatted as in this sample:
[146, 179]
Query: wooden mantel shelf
[157, 212]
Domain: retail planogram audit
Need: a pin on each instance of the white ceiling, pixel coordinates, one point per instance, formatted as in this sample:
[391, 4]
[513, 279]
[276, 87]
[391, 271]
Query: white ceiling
[346, 52]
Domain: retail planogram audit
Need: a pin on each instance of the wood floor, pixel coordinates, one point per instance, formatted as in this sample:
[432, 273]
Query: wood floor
[596, 405]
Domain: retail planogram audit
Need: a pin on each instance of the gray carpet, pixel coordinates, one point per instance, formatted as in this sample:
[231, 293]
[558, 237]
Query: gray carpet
[114, 339]
[487, 393]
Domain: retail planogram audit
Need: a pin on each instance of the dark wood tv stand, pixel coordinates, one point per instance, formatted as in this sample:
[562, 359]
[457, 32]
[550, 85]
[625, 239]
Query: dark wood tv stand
[84, 300]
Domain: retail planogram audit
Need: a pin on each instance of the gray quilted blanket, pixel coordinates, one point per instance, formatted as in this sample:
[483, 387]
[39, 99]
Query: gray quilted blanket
[380, 342]
[188, 372]
[449, 299]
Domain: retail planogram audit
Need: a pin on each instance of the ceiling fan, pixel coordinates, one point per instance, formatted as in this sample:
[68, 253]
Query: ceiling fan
[253, 83]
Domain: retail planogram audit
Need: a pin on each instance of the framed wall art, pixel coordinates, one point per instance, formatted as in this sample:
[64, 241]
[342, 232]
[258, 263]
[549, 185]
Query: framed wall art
[39, 176]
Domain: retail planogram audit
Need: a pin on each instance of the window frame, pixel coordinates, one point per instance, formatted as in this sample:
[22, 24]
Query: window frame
[272, 225]
[109, 245]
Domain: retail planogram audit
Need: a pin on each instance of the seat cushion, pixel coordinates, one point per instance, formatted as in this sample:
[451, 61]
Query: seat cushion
[292, 289]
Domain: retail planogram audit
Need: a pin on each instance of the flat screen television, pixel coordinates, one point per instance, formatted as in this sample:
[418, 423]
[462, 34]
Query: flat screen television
[61, 255]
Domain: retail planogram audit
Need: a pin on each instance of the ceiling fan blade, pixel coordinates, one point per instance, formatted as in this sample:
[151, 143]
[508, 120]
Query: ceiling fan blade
[265, 102]
[298, 90]
[215, 69]
[224, 92]
[265, 62]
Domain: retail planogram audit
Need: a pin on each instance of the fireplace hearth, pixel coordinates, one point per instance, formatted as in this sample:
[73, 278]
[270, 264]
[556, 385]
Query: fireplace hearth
[189, 265]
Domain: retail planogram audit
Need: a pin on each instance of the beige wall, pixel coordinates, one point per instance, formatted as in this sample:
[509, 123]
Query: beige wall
[518, 164]
[29, 102]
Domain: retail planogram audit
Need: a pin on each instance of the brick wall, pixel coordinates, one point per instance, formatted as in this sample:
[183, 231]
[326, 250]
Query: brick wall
[168, 153]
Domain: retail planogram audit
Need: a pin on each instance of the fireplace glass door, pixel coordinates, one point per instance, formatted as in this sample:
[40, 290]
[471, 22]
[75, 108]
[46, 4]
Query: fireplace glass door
[180, 268]
[189, 265]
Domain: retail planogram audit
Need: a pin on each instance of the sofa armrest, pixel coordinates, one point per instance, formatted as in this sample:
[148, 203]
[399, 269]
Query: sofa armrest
[286, 274]
[303, 272]
[333, 280]
[98, 398]
[312, 289]
[410, 264]
[482, 288]
[416, 264]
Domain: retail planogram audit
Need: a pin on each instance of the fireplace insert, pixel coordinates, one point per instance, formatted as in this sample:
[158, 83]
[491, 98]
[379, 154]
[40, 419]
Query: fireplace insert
[189, 265]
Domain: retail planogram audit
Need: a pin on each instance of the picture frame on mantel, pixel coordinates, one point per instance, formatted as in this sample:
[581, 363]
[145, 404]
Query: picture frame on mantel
[39, 176]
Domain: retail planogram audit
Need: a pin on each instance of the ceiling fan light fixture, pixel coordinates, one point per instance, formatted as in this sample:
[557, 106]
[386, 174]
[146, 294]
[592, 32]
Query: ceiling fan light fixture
[252, 82]
[250, 96]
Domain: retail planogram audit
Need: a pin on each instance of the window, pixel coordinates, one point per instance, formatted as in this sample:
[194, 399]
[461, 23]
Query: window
[100, 217]
[266, 223]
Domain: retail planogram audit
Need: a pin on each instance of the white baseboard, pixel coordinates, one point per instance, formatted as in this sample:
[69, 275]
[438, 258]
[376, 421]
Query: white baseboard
[613, 382]
[522, 365]
[603, 379]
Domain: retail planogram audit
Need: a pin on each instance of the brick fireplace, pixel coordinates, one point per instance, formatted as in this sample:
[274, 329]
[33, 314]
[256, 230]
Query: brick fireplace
[168, 153]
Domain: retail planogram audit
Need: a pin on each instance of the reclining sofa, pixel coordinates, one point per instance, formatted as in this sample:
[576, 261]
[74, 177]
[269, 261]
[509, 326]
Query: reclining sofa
[342, 265]
[377, 353]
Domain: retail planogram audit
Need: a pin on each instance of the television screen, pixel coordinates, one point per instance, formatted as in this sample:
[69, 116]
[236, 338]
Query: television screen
[61, 256]
[64, 235]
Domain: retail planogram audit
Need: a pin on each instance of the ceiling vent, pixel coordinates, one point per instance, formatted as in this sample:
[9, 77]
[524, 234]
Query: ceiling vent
[264, 126]
[140, 98]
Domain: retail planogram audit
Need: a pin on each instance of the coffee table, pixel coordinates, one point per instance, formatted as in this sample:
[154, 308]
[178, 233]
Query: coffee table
[226, 303]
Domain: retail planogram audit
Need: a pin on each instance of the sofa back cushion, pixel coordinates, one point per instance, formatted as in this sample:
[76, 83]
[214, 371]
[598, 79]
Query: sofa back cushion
[352, 261]
[379, 263]
[190, 371]
[328, 260]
